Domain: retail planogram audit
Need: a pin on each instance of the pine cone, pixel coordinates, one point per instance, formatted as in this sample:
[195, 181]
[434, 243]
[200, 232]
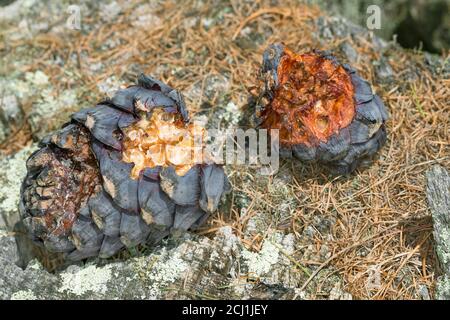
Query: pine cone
[324, 111]
[120, 174]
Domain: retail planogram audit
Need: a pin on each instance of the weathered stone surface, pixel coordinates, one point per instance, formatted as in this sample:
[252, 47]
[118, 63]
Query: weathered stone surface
[188, 267]
[16, 283]
[11, 115]
[46, 108]
[438, 195]
[12, 173]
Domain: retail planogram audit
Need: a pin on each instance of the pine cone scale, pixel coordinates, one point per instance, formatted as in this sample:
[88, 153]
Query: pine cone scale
[154, 203]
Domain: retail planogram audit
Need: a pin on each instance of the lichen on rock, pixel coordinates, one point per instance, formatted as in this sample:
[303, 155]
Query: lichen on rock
[260, 263]
[438, 195]
[166, 270]
[47, 107]
[13, 170]
[87, 279]
[23, 295]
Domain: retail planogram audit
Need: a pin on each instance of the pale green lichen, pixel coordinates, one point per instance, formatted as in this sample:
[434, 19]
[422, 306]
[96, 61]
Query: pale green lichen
[14, 10]
[35, 265]
[89, 279]
[226, 247]
[49, 104]
[231, 242]
[37, 78]
[231, 114]
[443, 247]
[288, 243]
[33, 84]
[300, 294]
[166, 271]
[160, 271]
[443, 288]
[11, 176]
[23, 295]
[4, 234]
[19, 88]
[260, 263]
[337, 293]
[270, 265]
[110, 85]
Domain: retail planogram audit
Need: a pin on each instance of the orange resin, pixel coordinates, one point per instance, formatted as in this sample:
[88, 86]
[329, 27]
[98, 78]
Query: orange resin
[313, 101]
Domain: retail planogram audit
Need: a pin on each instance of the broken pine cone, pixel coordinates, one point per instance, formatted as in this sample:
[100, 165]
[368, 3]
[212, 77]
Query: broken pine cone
[324, 111]
[128, 171]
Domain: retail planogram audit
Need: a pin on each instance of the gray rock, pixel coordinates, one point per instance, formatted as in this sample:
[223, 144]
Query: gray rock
[438, 195]
[384, 70]
[174, 270]
[436, 64]
[349, 52]
[12, 173]
[443, 288]
[15, 283]
[48, 107]
[337, 27]
[338, 294]
[423, 291]
[11, 11]
[11, 115]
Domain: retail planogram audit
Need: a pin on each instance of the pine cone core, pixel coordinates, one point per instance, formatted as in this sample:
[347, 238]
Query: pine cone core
[163, 140]
[313, 100]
